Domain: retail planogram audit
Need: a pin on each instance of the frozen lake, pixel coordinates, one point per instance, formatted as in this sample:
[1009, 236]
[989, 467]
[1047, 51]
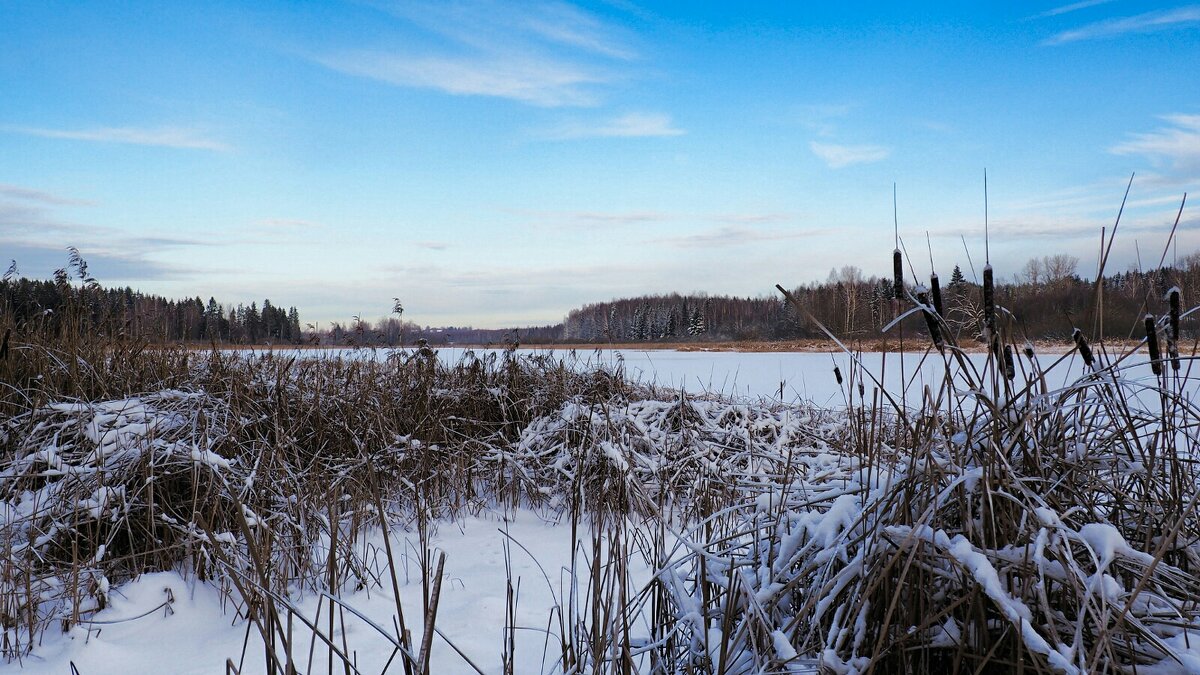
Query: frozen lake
[791, 377]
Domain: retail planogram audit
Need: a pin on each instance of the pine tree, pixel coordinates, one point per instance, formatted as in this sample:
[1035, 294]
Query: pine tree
[253, 323]
[294, 324]
[956, 278]
[641, 323]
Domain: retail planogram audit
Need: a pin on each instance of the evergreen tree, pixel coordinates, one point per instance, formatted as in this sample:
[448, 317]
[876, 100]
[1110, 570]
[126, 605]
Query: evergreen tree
[294, 324]
[672, 329]
[641, 323]
[253, 323]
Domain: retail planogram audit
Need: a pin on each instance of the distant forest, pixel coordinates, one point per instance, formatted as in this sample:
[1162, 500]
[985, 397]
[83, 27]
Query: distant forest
[1047, 299]
[129, 313]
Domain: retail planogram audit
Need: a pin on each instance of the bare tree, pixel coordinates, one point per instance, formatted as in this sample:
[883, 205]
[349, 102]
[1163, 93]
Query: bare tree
[1059, 267]
[1031, 273]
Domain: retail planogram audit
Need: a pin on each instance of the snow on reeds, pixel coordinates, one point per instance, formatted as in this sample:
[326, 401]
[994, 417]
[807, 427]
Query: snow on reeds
[992, 523]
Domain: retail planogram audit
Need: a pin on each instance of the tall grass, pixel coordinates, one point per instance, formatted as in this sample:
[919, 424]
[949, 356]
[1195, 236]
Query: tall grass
[992, 521]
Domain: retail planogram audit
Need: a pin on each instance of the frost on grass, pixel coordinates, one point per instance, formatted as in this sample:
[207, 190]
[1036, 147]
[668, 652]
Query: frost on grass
[1056, 527]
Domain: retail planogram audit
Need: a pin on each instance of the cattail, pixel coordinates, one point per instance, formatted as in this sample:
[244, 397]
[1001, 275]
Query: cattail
[1029, 351]
[936, 287]
[989, 299]
[1173, 297]
[837, 374]
[1174, 300]
[1010, 368]
[931, 321]
[897, 274]
[1152, 340]
[1084, 350]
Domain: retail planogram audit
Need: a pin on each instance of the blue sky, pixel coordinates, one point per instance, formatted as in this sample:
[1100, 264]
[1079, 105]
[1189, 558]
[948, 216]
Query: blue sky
[498, 163]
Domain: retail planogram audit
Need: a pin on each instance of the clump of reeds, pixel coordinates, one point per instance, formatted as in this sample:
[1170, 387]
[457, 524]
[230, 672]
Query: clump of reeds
[1001, 523]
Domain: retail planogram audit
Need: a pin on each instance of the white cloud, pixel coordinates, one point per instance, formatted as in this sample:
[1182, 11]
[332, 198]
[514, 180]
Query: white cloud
[571, 26]
[288, 223]
[627, 218]
[1176, 146]
[1073, 7]
[40, 196]
[840, 156]
[732, 235]
[541, 82]
[167, 137]
[819, 117]
[631, 125]
[1141, 23]
[432, 245]
[546, 54]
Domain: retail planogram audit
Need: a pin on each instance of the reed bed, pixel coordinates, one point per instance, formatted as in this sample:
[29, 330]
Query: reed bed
[990, 522]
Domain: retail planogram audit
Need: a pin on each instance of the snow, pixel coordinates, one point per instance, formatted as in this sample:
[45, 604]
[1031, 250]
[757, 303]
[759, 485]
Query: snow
[788, 377]
[196, 631]
[165, 622]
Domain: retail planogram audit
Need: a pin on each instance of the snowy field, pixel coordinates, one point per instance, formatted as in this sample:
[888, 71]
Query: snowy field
[196, 636]
[169, 622]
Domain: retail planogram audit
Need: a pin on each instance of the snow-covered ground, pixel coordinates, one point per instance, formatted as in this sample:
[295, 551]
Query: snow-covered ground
[198, 631]
[196, 635]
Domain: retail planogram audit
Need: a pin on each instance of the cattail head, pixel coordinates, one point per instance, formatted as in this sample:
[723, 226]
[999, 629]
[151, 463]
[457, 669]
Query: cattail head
[897, 274]
[936, 288]
[989, 299]
[1174, 300]
[1085, 351]
[931, 319]
[1152, 342]
[837, 375]
[1028, 351]
[1010, 367]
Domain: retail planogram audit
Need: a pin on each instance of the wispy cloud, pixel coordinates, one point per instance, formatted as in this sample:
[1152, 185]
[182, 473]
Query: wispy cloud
[1067, 9]
[568, 25]
[617, 217]
[546, 54]
[521, 78]
[40, 260]
[33, 232]
[732, 235]
[1142, 23]
[819, 117]
[631, 125]
[432, 245]
[167, 137]
[1176, 146]
[40, 196]
[841, 156]
[751, 218]
[1018, 227]
[635, 218]
[287, 224]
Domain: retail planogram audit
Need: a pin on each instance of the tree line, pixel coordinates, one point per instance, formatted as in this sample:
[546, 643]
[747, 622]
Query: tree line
[393, 332]
[1046, 299]
[75, 298]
